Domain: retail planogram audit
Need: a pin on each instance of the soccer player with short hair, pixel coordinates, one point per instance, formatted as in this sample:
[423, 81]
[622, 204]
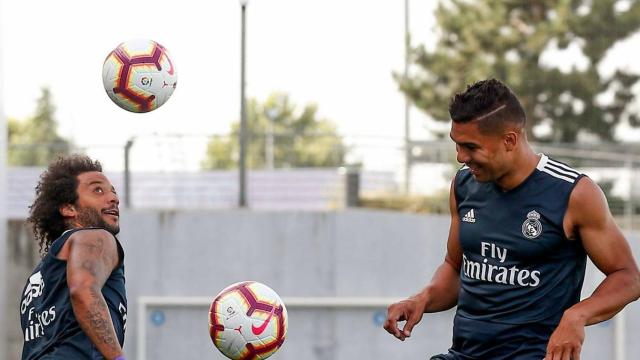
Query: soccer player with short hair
[522, 226]
[74, 304]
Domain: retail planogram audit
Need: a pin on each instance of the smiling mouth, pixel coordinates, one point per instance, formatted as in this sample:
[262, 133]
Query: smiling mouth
[112, 212]
[475, 171]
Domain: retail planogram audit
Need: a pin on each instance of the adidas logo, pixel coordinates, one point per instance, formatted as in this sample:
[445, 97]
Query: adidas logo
[470, 217]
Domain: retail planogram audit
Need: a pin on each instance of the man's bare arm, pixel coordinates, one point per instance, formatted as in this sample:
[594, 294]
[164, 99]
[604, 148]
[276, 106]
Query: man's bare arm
[93, 255]
[590, 220]
[442, 291]
[609, 251]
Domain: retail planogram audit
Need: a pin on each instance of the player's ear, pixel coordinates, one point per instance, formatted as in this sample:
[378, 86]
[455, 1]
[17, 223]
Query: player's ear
[67, 210]
[510, 140]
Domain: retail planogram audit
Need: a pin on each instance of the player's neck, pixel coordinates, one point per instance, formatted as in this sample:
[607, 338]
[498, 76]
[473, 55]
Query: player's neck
[525, 162]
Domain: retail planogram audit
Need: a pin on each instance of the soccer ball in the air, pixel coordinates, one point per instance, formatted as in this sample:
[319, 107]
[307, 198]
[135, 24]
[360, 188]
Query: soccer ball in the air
[139, 75]
[247, 321]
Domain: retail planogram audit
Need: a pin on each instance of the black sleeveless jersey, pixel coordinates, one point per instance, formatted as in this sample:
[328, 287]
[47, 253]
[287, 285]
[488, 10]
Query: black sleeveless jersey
[519, 271]
[49, 325]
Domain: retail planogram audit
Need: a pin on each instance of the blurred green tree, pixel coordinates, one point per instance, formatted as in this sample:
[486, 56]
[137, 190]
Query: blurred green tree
[480, 39]
[35, 141]
[300, 139]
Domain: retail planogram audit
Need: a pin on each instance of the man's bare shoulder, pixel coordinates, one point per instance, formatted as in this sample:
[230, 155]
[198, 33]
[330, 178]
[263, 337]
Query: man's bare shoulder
[92, 240]
[587, 198]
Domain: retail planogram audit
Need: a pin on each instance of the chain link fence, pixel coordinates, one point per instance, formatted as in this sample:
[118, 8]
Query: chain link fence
[615, 167]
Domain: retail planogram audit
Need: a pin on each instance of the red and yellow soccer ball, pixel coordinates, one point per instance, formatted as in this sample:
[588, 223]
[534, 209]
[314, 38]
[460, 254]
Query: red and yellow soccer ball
[248, 321]
[139, 75]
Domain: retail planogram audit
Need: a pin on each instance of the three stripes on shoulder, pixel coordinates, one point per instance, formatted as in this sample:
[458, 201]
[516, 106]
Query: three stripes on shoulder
[560, 170]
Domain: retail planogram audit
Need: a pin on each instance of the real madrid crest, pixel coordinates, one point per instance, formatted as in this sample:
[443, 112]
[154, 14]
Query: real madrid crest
[532, 228]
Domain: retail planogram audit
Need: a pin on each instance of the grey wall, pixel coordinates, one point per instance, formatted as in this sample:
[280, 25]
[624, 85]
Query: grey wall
[352, 253]
[22, 257]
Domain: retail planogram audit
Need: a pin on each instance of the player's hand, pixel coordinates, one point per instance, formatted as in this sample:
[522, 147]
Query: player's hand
[409, 310]
[566, 341]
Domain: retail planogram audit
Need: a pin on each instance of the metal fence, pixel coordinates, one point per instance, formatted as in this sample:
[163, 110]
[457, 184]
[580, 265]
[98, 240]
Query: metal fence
[430, 163]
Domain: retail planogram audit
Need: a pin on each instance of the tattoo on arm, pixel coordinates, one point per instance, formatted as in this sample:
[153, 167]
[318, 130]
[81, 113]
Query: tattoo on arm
[100, 320]
[89, 266]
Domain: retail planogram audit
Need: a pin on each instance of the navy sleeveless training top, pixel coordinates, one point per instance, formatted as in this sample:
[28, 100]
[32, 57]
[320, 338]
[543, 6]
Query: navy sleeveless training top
[519, 271]
[49, 325]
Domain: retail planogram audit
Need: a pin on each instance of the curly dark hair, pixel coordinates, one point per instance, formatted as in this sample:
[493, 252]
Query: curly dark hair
[490, 101]
[58, 186]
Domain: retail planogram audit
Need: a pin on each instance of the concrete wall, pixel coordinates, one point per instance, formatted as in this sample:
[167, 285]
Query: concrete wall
[354, 253]
[22, 257]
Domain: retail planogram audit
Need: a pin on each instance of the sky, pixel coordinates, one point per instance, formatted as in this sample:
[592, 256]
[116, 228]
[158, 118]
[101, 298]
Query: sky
[337, 54]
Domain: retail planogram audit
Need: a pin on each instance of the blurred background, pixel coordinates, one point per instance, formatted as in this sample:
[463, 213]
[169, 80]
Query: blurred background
[340, 200]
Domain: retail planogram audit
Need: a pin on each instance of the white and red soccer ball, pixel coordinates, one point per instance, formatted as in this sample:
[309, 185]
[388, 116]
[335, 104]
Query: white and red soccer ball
[248, 321]
[139, 75]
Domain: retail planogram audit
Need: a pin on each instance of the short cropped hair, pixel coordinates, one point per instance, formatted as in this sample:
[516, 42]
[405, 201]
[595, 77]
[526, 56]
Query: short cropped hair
[491, 103]
[58, 186]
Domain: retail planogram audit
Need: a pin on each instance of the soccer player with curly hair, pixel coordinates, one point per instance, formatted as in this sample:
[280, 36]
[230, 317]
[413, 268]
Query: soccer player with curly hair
[74, 303]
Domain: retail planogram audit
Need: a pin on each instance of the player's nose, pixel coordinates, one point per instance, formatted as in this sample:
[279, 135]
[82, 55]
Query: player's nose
[114, 199]
[462, 157]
